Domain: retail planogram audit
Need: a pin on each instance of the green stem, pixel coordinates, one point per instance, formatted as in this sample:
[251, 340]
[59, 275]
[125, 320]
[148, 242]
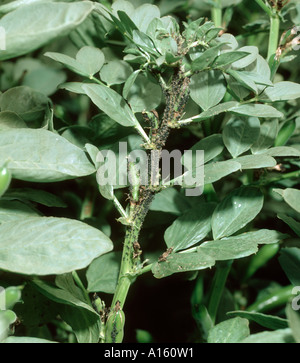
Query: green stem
[263, 5]
[199, 310]
[142, 132]
[82, 287]
[120, 208]
[130, 268]
[274, 300]
[274, 37]
[98, 81]
[292, 174]
[129, 263]
[126, 269]
[218, 284]
[216, 13]
[145, 269]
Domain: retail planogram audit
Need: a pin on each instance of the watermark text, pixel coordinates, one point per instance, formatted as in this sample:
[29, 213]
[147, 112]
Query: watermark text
[158, 168]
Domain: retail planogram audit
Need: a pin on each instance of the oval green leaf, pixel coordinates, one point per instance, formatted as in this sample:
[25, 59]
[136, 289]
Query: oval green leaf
[240, 133]
[111, 103]
[29, 27]
[208, 88]
[190, 228]
[229, 331]
[42, 156]
[48, 245]
[236, 210]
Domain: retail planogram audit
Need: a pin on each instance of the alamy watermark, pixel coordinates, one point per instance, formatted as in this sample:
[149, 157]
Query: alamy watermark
[159, 168]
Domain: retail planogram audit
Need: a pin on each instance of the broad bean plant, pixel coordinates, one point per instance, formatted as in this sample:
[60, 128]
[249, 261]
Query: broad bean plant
[149, 182]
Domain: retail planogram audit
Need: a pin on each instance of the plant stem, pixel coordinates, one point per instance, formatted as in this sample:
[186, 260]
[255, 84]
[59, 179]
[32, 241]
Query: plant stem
[216, 13]
[129, 263]
[142, 132]
[176, 99]
[218, 284]
[263, 5]
[119, 207]
[274, 36]
[145, 269]
[275, 299]
[292, 174]
[199, 311]
[82, 287]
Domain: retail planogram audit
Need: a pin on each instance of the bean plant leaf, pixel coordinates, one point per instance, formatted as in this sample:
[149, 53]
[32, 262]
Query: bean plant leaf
[294, 225]
[115, 72]
[170, 201]
[89, 60]
[86, 325]
[182, 262]
[289, 260]
[110, 102]
[227, 58]
[49, 245]
[229, 331]
[257, 110]
[40, 24]
[267, 321]
[27, 103]
[11, 120]
[190, 228]
[236, 210]
[217, 170]
[75, 87]
[267, 136]
[144, 95]
[15, 210]
[291, 197]
[239, 246]
[13, 5]
[129, 83]
[208, 88]
[26, 340]
[282, 91]
[38, 196]
[218, 109]
[143, 16]
[243, 80]
[246, 61]
[256, 161]
[239, 134]
[68, 62]
[277, 336]
[212, 146]
[206, 58]
[61, 295]
[42, 156]
[102, 274]
[209, 252]
[75, 311]
[281, 151]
